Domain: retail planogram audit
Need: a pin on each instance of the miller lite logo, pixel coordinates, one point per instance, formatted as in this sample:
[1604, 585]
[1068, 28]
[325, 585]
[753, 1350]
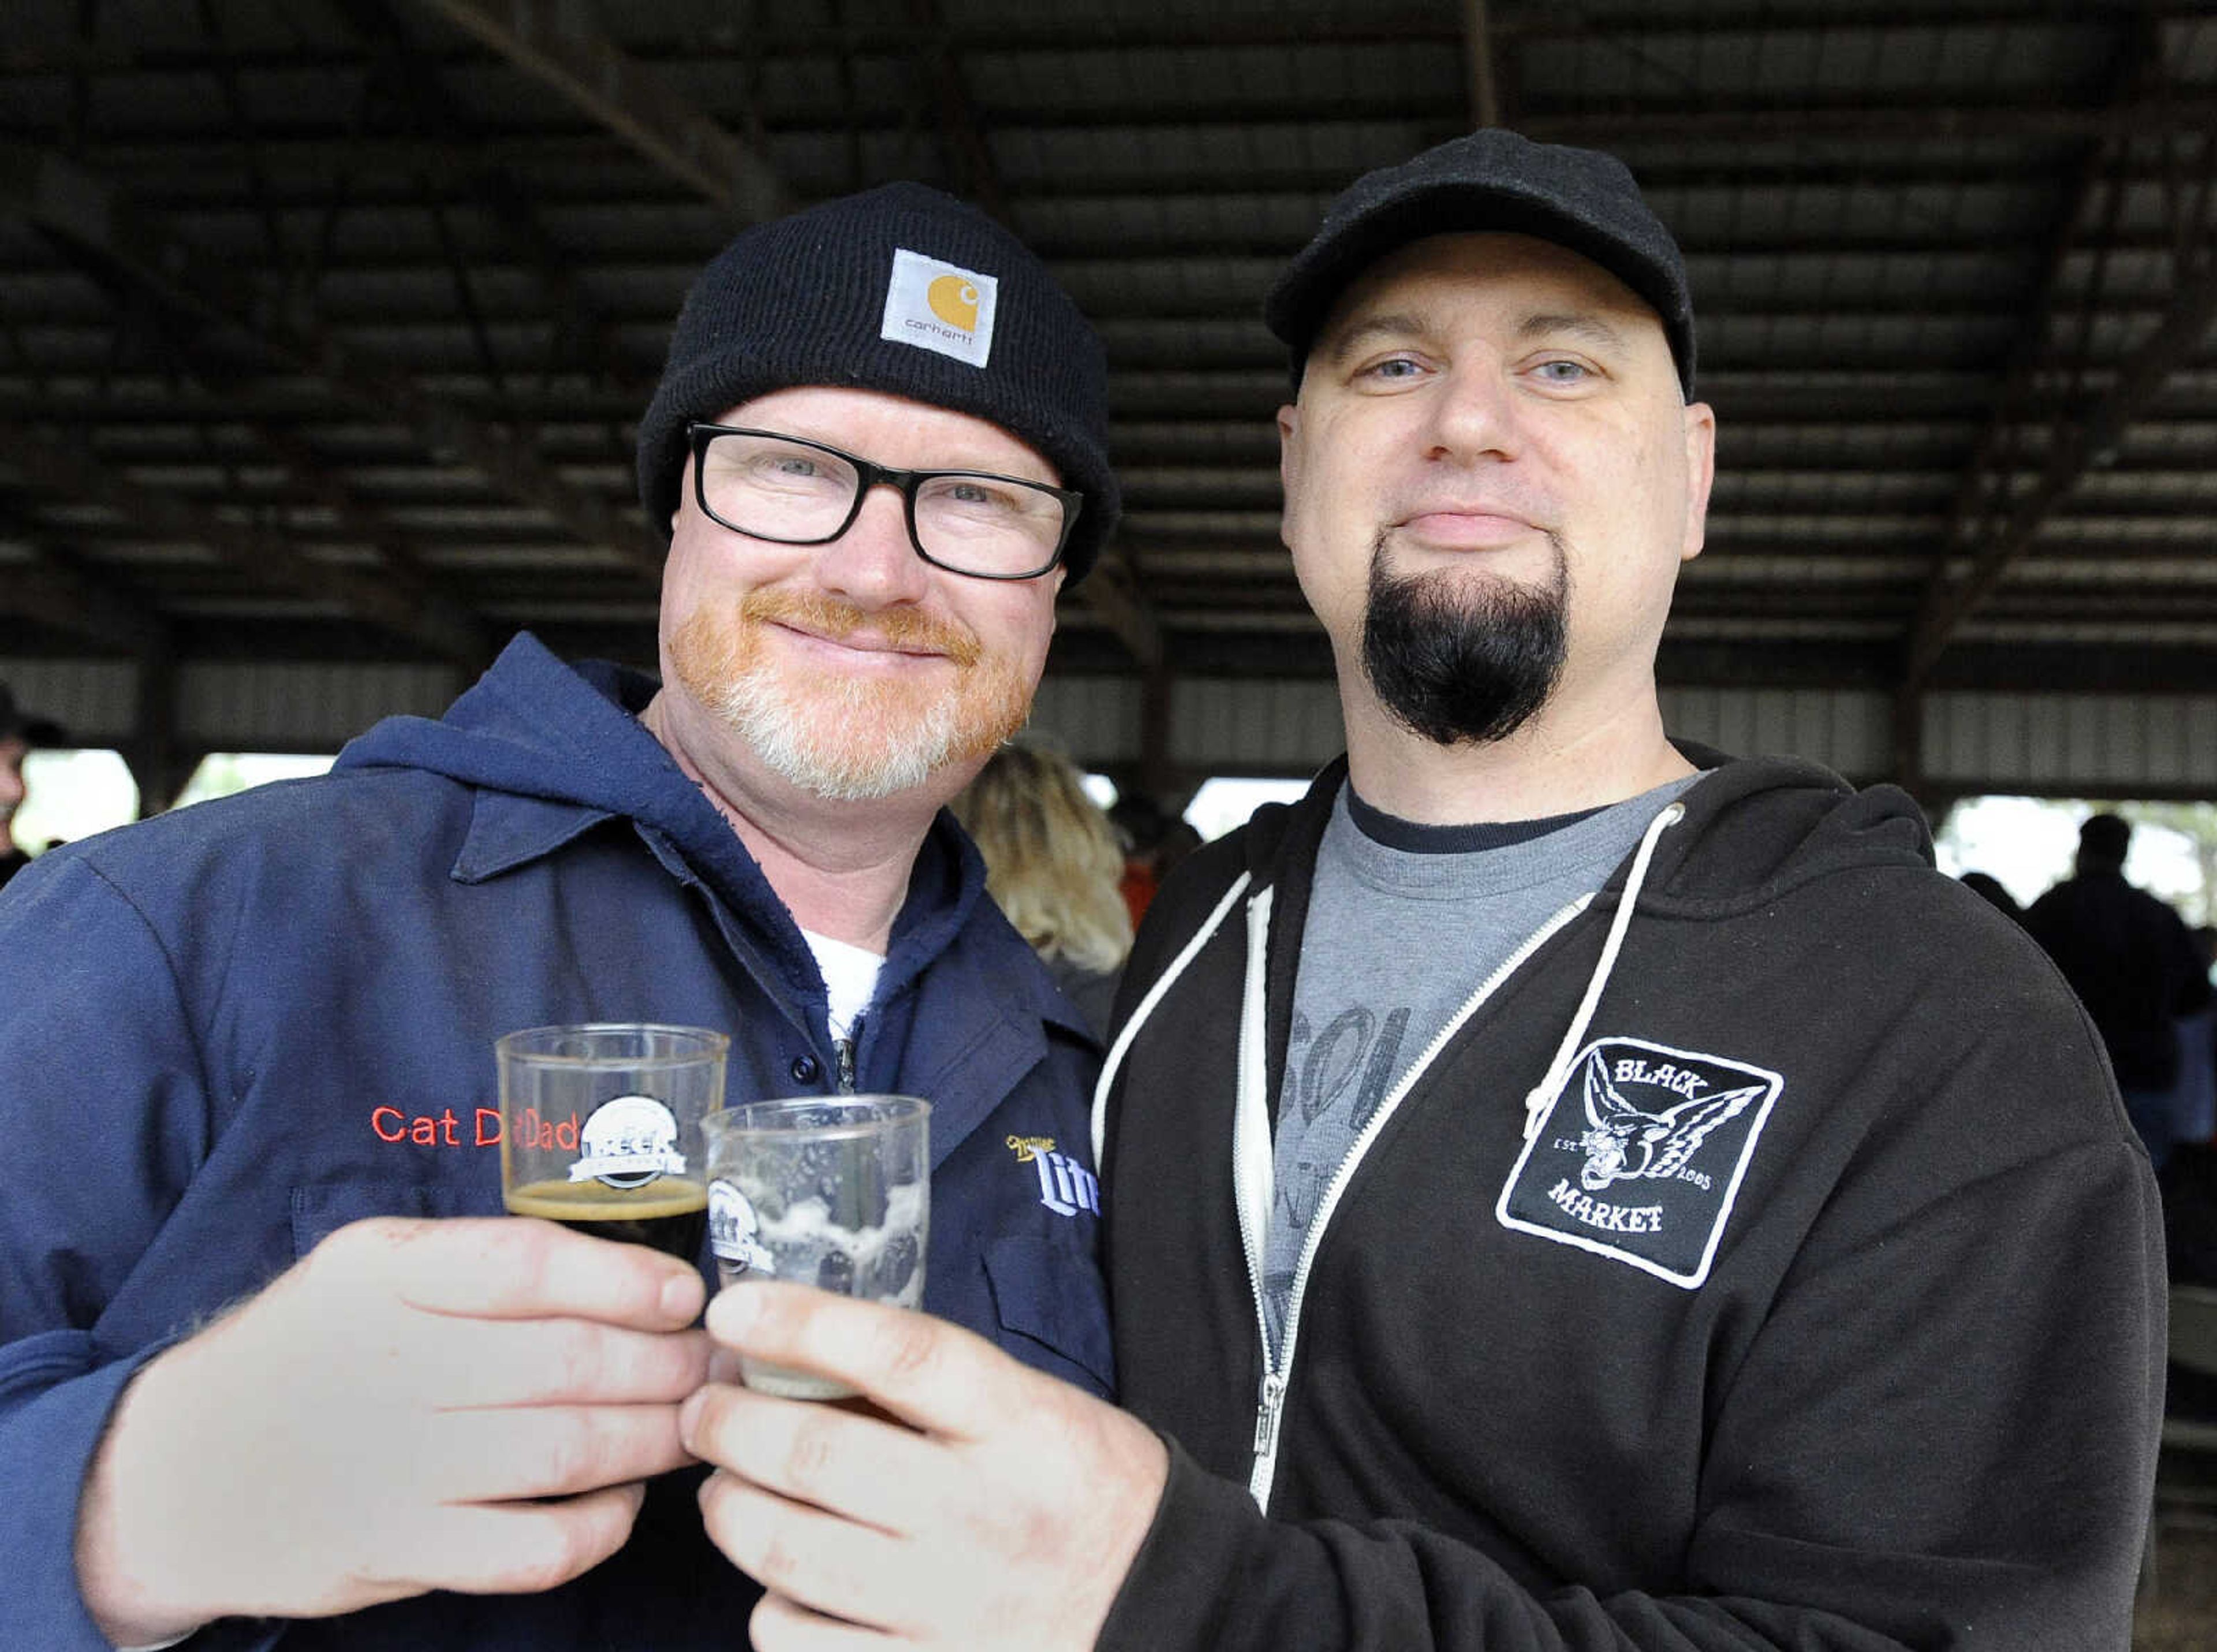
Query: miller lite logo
[1640, 1155]
[1065, 1186]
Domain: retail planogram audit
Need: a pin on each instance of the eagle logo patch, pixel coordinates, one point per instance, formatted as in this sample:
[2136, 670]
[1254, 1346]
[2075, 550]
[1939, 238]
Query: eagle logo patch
[1639, 1156]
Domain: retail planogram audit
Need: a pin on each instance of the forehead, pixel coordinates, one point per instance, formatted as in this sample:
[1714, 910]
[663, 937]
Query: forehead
[874, 424]
[1426, 279]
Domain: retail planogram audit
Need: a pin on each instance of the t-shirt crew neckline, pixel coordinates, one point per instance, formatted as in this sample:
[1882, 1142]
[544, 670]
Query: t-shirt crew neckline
[1488, 858]
[1420, 838]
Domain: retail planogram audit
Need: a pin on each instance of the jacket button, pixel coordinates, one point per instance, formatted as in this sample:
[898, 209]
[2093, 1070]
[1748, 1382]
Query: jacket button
[804, 1069]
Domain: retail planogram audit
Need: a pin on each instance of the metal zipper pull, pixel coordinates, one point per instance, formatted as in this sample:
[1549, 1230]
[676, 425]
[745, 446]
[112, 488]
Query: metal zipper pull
[1266, 1414]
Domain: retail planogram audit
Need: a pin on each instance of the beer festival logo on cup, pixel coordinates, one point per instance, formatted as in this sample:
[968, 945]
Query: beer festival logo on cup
[733, 1230]
[628, 1142]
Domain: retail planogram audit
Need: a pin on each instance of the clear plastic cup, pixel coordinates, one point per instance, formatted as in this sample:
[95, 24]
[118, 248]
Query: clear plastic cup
[832, 1190]
[600, 1129]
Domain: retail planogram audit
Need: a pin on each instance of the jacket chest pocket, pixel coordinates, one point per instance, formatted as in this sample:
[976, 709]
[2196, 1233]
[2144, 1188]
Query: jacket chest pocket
[1053, 1312]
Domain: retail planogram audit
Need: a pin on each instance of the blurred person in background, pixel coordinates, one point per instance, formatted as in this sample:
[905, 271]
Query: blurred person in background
[1138, 821]
[2129, 958]
[1989, 888]
[1053, 863]
[19, 736]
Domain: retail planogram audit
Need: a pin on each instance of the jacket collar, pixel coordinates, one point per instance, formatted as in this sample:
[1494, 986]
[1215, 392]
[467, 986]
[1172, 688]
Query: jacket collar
[506, 831]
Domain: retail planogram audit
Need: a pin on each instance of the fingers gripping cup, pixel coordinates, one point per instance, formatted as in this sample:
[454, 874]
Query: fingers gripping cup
[600, 1129]
[832, 1190]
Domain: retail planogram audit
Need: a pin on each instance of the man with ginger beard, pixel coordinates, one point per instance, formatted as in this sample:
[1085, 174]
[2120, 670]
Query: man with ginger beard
[1565, 1187]
[275, 1365]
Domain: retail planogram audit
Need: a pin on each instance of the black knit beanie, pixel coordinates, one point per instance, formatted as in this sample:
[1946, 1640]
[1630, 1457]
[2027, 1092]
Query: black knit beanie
[901, 290]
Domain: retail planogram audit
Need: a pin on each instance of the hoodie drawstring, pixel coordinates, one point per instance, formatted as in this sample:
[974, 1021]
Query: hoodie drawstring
[1558, 1070]
[1145, 1007]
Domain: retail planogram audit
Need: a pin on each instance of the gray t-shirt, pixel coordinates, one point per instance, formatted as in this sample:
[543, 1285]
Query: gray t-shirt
[1405, 923]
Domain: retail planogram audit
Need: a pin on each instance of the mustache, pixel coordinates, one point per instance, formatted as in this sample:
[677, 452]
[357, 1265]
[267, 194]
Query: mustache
[830, 616]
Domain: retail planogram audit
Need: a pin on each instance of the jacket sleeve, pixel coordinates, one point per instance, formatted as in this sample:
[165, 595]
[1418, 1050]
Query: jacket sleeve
[101, 1108]
[1942, 1436]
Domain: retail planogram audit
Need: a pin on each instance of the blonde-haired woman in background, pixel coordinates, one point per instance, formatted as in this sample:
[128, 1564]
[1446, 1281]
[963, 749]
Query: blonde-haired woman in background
[1052, 862]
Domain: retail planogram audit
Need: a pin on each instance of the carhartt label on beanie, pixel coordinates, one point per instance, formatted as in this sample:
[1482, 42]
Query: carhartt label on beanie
[940, 307]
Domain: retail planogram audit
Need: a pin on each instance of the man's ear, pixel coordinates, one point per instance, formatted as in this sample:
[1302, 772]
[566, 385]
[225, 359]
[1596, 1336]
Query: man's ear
[684, 493]
[1701, 476]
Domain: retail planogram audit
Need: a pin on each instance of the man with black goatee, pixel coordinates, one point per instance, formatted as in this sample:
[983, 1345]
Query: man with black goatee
[1565, 1187]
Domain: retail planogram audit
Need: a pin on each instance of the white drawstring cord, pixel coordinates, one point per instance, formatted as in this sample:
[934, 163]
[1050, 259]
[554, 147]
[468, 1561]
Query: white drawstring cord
[1145, 1007]
[1537, 1099]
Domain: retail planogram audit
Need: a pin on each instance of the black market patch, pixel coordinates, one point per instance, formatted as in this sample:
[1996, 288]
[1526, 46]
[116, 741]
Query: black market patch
[1640, 1154]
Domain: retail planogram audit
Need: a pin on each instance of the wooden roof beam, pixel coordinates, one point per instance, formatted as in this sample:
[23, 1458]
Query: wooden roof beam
[1990, 520]
[64, 200]
[558, 42]
[576, 321]
[1478, 41]
[50, 590]
[424, 621]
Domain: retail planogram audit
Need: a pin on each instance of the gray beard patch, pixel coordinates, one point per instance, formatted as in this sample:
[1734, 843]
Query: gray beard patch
[1456, 663]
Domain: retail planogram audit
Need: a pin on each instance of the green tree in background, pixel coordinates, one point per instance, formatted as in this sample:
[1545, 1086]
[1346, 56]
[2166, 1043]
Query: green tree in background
[2197, 823]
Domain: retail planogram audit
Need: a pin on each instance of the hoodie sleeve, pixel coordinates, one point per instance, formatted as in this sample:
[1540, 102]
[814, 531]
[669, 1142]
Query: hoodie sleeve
[1942, 1435]
[101, 1110]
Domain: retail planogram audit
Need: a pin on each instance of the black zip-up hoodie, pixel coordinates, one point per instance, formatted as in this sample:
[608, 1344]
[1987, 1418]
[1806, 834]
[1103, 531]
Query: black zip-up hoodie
[1766, 1264]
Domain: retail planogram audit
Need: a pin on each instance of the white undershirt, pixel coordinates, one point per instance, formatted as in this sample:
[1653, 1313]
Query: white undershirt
[850, 975]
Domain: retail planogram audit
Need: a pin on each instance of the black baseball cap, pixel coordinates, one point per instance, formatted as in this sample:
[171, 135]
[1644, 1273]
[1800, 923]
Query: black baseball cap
[32, 731]
[1493, 180]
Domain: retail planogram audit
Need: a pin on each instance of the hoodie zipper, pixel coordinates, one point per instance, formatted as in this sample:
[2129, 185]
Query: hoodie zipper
[1277, 1376]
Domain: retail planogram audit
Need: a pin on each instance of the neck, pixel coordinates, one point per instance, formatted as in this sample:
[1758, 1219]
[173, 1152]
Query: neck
[1556, 764]
[840, 868]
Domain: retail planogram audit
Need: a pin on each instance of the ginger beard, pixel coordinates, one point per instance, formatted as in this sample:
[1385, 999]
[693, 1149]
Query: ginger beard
[849, 738]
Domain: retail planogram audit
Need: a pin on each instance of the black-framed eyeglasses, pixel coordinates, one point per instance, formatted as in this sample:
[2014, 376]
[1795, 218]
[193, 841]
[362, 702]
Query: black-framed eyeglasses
[767, 485]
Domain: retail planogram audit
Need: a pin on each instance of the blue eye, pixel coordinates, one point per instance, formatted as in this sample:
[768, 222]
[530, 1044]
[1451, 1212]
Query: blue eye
[1562, 372]
[1392, 368]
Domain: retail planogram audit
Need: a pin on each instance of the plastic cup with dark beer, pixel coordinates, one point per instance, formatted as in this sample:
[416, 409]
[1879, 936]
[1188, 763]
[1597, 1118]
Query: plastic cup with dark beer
[600, 1129]
[832, 1190]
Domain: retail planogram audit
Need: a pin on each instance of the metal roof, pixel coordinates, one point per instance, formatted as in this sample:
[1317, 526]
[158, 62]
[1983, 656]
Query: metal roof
[322, 325]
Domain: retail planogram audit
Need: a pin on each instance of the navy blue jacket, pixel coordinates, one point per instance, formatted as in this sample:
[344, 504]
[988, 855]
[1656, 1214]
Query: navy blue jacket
[229, 1031]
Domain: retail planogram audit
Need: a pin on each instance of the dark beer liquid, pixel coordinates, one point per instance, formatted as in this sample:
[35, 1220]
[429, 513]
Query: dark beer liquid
[670, 1215]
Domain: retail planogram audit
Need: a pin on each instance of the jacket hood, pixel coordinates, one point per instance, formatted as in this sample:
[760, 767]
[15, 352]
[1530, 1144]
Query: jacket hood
[1752, 828]
[525, 728]
[566, 742]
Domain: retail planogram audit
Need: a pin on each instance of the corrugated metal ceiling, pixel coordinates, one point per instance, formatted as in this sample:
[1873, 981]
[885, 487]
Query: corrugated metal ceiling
[322, 325]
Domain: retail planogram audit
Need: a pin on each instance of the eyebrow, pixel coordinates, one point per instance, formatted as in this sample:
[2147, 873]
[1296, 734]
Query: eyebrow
[1350, 339]
[1409, 324]
[1592, 328]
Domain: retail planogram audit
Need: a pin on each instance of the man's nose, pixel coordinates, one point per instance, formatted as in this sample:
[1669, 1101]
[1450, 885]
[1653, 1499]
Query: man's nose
[1476, 412]
[874, 564]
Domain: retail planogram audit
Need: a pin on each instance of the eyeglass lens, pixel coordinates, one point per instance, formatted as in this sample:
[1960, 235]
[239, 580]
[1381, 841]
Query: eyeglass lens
[780, 488]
